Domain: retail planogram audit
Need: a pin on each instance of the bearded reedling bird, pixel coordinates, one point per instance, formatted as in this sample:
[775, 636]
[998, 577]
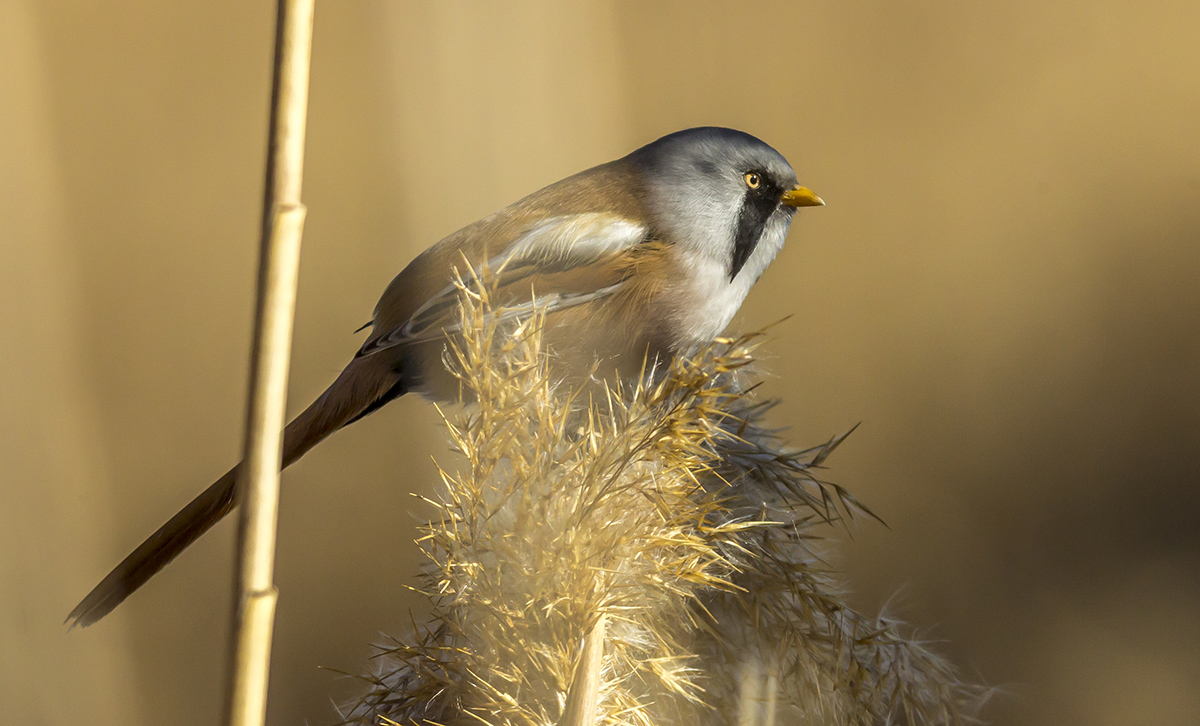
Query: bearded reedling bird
[644, 257]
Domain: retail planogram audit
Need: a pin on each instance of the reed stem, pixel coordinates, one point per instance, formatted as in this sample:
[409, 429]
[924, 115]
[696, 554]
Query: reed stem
[583, 699]
[279, 257]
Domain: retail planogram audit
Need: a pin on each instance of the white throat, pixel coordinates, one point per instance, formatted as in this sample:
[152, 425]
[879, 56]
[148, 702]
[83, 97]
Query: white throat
[707, 299]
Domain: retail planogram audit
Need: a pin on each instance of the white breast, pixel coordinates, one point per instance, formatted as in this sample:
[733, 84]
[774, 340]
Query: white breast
[706, 300]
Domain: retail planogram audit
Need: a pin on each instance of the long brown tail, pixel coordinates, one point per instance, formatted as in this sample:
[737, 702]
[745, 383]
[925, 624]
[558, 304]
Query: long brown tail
[362, 387]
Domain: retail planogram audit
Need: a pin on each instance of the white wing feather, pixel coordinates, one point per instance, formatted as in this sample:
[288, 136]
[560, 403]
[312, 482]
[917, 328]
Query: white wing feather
[555, 244]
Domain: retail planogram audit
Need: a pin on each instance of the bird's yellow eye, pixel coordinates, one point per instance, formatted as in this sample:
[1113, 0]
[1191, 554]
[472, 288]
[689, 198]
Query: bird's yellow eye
[753, 180]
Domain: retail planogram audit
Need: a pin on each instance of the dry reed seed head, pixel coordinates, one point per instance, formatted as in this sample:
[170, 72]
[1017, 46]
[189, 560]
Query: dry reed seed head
[666, 505]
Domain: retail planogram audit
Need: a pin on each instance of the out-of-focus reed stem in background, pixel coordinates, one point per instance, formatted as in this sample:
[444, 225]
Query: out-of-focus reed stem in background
[279, 263]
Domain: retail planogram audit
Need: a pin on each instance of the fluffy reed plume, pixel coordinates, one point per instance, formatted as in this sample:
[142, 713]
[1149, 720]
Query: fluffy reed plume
[669, 510]
[783, 646]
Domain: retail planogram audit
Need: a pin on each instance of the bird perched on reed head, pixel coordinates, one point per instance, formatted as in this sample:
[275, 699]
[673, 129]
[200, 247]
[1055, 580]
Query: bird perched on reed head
[641, 258]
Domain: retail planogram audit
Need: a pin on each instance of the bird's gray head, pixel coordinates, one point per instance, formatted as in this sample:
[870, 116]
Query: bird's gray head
[724, 194]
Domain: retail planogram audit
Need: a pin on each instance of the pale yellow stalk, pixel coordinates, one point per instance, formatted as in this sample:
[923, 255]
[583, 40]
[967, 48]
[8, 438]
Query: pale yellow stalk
[583, 699]
[279, 257]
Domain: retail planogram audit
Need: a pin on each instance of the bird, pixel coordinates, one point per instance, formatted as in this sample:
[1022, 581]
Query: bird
[647, 256]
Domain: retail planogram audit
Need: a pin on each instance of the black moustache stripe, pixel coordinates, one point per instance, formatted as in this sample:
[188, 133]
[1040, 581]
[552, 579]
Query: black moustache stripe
[757, 207]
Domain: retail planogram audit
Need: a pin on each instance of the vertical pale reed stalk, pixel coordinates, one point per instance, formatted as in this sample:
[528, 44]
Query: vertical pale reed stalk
[772, 702]
[279, 260]
[584, 696]
[757, 694]
[749, 696]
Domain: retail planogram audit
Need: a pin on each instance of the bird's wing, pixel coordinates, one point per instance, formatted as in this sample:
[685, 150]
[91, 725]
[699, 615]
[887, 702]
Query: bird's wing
[558, 263]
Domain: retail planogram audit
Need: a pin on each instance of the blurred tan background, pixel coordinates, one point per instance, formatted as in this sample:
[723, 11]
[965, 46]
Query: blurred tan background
[1004, 288]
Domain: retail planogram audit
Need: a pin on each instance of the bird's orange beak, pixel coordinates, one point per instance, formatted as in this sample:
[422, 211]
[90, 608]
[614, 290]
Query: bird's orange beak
[801, 197]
